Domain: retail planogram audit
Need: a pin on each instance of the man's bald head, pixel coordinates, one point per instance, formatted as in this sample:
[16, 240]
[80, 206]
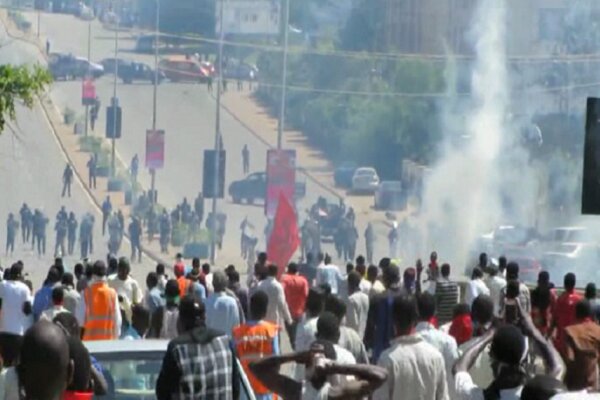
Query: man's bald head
[44, 369]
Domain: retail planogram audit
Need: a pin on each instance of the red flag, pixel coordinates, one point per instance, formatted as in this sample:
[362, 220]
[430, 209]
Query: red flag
[284, 238]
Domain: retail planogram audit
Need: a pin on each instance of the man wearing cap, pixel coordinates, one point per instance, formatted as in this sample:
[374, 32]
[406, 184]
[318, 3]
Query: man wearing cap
[98, 311]
[508, 352]
[198, 348]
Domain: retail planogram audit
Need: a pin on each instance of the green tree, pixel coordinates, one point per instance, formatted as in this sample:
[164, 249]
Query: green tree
[22, 84]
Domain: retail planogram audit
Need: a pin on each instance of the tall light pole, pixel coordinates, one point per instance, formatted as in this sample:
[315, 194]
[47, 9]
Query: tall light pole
[281, 124]
[38, 23]
[213, 248]
[89, 57]
[114, 100]
[154, 96]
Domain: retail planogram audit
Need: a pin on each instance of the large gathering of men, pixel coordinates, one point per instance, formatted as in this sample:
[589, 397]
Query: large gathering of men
[374, 331]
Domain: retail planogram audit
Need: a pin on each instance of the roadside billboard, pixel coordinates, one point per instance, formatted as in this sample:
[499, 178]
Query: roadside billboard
[88, 92]
[155, 149]
[249, 17]
[281, 178]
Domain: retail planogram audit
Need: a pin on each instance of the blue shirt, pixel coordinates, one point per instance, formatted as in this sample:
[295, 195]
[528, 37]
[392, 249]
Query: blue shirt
[198, 291]
[154, 299]
[330, 275]
[42, 301]
[222, 312]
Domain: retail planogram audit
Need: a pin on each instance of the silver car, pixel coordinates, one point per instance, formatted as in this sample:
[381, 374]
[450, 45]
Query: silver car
[365, 180]
[131, 368]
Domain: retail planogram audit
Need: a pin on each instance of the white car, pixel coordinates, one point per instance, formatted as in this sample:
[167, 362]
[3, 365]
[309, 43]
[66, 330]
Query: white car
[365, 180]
[579, 258]
[131, 368]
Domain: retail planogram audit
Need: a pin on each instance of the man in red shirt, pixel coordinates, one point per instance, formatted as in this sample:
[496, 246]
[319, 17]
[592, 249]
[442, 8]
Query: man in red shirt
[564, 311]
[295, 287]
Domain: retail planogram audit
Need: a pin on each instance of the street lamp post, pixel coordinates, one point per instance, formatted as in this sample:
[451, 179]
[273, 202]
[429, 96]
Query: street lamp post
[213, 248]
[89, 57]
[114, 100]
[281, 124]
[154, 97]
[38, 23]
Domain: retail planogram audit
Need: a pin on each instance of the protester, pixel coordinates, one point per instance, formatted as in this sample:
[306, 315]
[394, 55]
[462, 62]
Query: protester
[295, 288]
[240, 292]
[376, 287]
[591, 295]
[495, 283]
[185, 285]
[196, 278]
[512, 273]
[162, 277]
[222, 313]
[542, 387]
[328, 330]
[379, 329]
[357, 305]
[307, 328]
[44, 368]
[349, 338]
[445, 343]
[153, 298]
[43, 297]
[198, 348]
[58, 297]
[508, 351]
[329, 274]
[447, 295]
[564, 312]
[256, 339]
[415, 368]
[582, 350]
[277, 311]
[208, 278]
[140, 323]
[323, 383]
[543, 301]
[99, 313]
[476, 286]
[163, 322]
[71, 296]
[461, 326]
[15, 314]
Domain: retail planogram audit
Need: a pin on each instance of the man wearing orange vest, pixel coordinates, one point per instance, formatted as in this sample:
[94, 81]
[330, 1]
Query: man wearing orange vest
[184, 283]
[98, 311]
[256, 339]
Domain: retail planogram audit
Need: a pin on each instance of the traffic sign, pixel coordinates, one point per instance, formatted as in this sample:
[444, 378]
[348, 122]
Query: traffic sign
[113, 122]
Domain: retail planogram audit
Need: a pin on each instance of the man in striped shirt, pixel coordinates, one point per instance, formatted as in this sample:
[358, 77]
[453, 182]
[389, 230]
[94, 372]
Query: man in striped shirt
[447, 295]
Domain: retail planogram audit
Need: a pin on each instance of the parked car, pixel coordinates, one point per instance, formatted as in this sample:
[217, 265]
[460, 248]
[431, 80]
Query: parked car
[365, 180]
[509, 239]
[109, 64]
[342, 176]
[183, 68]
[254, 187]
[67, 66]
[579, 258]
[131, 368]
[135, 71]
[390, 196]
[567, 234]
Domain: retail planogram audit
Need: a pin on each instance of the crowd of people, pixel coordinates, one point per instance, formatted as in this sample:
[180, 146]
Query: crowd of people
[371, 332]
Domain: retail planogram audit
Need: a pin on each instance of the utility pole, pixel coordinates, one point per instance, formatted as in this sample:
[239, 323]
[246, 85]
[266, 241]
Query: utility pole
[281, 124]
[154, 97]
[89, 57]
[114, 100]
[213, 248]
[38, 23]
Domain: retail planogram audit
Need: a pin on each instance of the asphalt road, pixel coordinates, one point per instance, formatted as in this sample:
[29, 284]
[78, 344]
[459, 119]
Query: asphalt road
[186, 112]
[31, 171]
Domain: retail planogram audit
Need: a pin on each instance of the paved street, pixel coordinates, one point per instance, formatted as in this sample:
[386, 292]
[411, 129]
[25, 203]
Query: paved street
[185, 111]
[31, 170]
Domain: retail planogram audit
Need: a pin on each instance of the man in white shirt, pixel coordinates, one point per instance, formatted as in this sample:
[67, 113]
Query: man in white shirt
[329, 274]
[375, 285]
[58, 296]
[496, 284]
[357, 305]
[15, 313]
[208, 278]
[277, 310]
[416, 369]
[445, 343]
[124, 284]
[476, 286]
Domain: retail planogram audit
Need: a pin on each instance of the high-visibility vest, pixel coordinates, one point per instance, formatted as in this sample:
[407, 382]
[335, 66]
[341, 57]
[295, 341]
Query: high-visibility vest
[254, 342]
[100, 302]
[184, 286]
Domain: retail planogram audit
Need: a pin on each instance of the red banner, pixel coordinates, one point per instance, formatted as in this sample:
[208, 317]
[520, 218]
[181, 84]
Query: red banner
[284, 239]
[88, 92]
[281, 178]
[155, 149]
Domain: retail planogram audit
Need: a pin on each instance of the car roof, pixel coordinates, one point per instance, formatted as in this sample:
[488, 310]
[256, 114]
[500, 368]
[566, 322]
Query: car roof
[123, 346]
[365, 169]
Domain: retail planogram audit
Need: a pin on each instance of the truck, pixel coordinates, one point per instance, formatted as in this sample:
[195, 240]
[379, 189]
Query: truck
[254, 187]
